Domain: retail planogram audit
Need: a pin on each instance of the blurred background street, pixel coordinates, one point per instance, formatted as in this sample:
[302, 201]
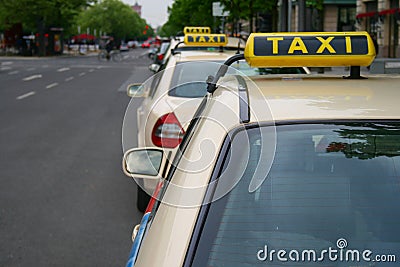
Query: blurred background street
[64, 199]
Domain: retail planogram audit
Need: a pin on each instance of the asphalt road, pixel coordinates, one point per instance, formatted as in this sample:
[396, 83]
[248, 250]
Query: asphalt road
[64, 199]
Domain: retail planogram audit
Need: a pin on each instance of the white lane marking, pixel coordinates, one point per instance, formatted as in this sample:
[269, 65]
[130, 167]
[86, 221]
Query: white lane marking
[82, 73]
[69, 79]
[29, 78]
[51, 85]
[31, 69]
[5, 68]
[26, 95]
[6, 63]
[13, 72]
[63, 69]
[91, 70]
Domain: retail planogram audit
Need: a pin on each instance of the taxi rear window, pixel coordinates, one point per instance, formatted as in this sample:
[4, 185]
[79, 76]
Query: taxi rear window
[189, 78]
[331, 198]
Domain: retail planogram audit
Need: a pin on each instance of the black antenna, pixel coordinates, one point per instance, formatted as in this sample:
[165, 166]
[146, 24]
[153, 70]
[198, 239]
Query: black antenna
[212, 86]
[173, 51]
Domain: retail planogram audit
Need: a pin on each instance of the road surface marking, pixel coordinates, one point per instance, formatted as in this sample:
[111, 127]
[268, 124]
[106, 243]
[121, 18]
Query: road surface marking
[5, 68]
[31, 69]
[91, 70]
[6, 63]
[69, 79]
[51, 85]
[13, 72]
[63, 69]
[26, 95]
[29, 78]
[82, 73]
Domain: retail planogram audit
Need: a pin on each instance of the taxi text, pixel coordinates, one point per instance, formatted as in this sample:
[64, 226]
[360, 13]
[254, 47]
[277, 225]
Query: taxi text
[199, 30]
[206, 38]
[310, 45]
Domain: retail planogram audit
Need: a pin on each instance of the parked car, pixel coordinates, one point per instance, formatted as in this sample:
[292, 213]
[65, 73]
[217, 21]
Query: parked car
[146, 44]
[281, 171]
[171, 98]
[151, 53]
[124, 47]
[159, 57]
[133, 44]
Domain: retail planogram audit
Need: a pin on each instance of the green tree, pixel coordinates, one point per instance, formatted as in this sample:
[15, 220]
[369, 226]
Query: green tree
[114, 18]
[248, 9]
[199, 13]
[147, 32]
[39, 15]
[380, 139]
[188, 13]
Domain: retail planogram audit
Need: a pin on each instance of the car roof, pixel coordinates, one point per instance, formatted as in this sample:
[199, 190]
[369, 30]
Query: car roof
[321, 97]
[312, 97]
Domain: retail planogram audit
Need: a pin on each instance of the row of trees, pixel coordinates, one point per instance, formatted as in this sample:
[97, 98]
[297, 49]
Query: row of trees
[115, 18]
[199, 13]
[107, 16]
[40, 13]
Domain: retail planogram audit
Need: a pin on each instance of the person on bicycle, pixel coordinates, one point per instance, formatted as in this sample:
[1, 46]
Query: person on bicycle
[109, 46]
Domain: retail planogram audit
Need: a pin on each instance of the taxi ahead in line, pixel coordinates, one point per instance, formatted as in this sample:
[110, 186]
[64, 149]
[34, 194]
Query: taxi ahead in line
[281, 171]
[172, 95]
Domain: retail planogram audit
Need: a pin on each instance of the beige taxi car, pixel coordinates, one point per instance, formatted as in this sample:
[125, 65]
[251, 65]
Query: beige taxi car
[282, 171]
[171, 97]
[173, 94]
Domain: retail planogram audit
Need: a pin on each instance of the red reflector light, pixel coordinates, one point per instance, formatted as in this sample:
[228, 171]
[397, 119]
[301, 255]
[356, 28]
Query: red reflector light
[160, 56]
[167, 131]
[154, 197]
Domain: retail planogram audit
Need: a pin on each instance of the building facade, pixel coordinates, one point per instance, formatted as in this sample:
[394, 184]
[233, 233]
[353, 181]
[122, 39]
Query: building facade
[137, 8]
[381, 18]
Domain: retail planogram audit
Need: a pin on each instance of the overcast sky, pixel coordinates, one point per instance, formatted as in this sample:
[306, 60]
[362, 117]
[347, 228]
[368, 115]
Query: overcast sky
[153, 11]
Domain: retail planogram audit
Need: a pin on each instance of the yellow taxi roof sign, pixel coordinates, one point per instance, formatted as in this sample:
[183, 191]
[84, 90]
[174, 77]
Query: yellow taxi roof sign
[199, 30]
[311, 49]
[206, 39]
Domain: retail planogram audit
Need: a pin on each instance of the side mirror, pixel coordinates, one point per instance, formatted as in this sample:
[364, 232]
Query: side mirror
[143, 163]
[154, 67]
[135, 90]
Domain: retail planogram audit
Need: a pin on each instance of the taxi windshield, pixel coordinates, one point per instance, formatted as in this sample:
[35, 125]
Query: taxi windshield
[332, 187]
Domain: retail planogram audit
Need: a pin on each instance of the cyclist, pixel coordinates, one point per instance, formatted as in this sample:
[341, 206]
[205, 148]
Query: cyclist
[109, 46]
